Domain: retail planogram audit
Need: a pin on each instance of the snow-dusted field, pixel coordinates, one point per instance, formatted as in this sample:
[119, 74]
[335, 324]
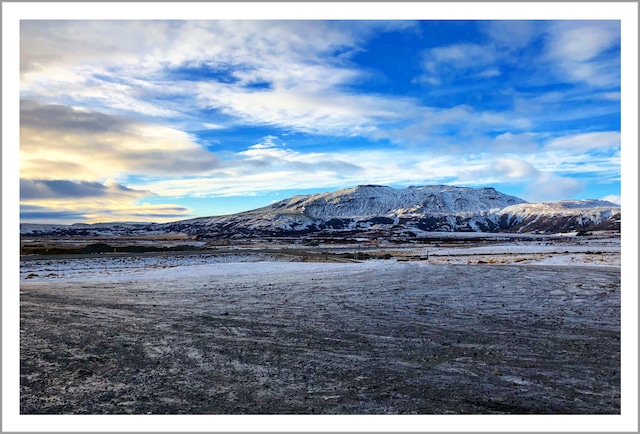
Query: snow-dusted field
[592, 252]
[105, 267]
[532, 254]
[244, 333]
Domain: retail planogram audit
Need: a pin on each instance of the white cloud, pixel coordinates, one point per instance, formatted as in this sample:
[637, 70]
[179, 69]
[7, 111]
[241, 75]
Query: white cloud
[512, 168]
[441, 64]
[586, 141]
[603, 167]
[498, 170]
[459, 56]
[611, 96]
[613, 198]
[303, 81]
[423, 78]
[510, 34]
[524, 143]
[210, 126]
[551, 187]
[580, 48]
[489, 73]
[266, 169]
[304, 67]
[307, 109]
[541, 185]
[296, 60]
[268, 142]
[461, 126]
[581, 41]
[59, 142]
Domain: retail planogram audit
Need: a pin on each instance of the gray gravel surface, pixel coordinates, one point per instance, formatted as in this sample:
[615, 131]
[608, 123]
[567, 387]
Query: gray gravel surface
[397, 338]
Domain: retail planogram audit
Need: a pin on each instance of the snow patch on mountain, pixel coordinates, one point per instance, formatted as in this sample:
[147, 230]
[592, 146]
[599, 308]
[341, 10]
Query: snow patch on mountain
[561, 207]
[367, 201]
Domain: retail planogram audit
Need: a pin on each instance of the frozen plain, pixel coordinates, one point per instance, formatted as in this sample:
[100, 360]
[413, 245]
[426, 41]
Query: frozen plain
[251, 334]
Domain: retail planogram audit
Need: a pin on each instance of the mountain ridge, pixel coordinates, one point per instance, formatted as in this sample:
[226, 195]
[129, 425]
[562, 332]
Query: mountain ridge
[382, 210]
[365, 201]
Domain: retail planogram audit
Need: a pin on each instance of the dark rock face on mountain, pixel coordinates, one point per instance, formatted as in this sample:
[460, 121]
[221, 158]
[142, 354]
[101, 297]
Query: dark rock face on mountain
[381, 211]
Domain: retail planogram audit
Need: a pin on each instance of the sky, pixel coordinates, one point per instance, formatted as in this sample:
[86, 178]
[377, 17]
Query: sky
[164, 120]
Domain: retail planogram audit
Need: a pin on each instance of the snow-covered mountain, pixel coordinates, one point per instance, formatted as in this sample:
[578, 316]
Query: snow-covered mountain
[433, 207]
[367, 201]
[381, 211]
[562, 216]
[385, 211]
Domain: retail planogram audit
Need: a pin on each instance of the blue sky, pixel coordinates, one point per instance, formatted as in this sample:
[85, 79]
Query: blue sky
[165, 120]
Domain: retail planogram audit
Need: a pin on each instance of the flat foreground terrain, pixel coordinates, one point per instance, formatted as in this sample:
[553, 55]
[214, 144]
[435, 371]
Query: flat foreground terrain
[379, 337]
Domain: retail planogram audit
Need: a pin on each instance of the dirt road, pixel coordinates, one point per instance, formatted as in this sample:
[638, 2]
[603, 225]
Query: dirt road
[371, 338]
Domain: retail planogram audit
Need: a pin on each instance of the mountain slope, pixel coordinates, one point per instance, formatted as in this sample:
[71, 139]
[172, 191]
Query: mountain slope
[368, 201]
[561, 216]
[378, 211]
[436, 207]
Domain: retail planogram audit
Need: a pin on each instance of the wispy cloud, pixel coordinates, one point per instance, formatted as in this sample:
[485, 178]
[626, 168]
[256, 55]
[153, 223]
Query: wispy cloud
[445, 63]
[501, 169]
[511, 34]
[587, 141]
[584, 51]
[541, 186]
[317, 111]
[444, 129]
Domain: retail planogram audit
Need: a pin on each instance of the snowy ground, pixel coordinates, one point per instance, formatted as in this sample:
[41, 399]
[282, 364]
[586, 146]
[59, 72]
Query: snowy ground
[525, 327]
[542, 254]
[580, 252]
[102, 267]
[276, 337]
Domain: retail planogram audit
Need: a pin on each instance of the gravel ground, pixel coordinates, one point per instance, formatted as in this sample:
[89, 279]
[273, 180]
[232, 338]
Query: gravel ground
[379, 337]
